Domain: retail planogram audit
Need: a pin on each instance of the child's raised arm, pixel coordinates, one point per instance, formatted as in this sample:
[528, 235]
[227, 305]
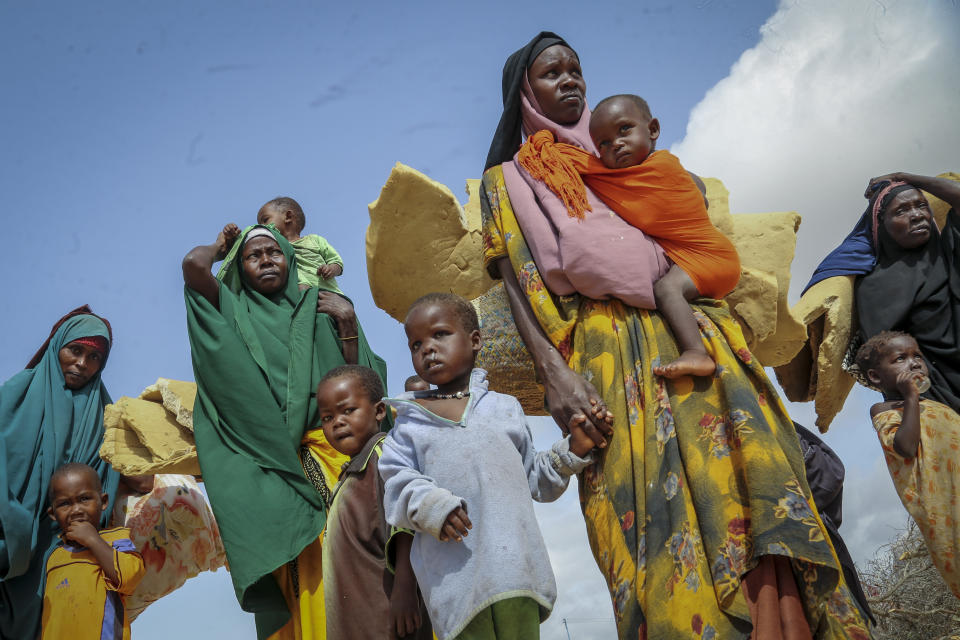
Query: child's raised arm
[907, 439]
[122, 566]
[412, 500]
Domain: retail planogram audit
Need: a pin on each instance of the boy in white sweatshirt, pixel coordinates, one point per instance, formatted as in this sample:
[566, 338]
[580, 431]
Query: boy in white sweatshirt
[460, 469]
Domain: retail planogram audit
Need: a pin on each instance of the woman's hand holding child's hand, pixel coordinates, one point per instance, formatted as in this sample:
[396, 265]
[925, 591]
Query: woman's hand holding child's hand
[570, 397]
[328, 271]
[226, 238]
[456, 526]
[580, 441]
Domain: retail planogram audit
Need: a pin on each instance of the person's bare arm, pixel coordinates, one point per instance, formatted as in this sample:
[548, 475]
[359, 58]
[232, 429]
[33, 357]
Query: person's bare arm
[197, 264]
[569, 396]
[341, 311]
[946, 190]
[86, 535]
[701, 186]
[907, 439]
[332, 270]
[404, 599]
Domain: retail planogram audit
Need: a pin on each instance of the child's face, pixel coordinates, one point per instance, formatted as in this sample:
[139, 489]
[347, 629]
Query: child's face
[623, 134]
[900, 355]
[264, 265]
[76, 496]
[79, 362]
[442, 350]
[348, 416]
[280, 218]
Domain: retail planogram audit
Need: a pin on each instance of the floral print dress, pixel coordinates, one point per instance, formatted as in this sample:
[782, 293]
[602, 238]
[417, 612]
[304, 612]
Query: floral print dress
[703, 475]
[929, 483]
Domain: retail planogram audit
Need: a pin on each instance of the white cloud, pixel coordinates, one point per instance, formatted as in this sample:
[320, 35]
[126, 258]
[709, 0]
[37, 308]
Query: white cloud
[834, 94]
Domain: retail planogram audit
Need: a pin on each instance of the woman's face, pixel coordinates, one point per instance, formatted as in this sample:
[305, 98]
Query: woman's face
[79, 363]
[264, 265]
[558, 85]
[907, 219]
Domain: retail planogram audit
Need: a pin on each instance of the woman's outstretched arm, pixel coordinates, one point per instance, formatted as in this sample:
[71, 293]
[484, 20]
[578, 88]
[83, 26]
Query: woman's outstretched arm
[570, 398]
[946, 190]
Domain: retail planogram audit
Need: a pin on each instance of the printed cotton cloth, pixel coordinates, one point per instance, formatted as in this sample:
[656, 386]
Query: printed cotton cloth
[175, 532]
[703, 476]
[928, 484]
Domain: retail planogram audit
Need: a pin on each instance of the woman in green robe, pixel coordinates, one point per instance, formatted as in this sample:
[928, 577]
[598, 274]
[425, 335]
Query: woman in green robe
[260, 345]
[51, 413]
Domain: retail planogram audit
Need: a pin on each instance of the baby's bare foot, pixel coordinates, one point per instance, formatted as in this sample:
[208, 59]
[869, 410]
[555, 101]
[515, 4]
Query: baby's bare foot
[690, 363]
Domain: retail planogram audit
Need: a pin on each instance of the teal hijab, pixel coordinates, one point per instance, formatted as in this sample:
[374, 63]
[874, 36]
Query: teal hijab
[42, 426]
[257, 362]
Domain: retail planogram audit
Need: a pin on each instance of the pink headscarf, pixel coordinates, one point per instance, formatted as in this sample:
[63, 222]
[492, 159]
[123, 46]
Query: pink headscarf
[533, 120]
[601, 256]
[877, 202]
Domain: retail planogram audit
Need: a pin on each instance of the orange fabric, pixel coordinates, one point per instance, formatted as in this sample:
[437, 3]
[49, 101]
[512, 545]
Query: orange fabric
[774, 601]
[550, 163]
[657, 196]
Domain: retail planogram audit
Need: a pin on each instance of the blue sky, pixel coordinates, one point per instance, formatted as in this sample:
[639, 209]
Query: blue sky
[132, 132]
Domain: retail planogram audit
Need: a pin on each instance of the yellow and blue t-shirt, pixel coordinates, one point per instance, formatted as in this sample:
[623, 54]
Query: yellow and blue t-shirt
[79, 602]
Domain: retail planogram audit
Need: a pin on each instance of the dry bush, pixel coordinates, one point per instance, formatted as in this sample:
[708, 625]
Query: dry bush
[909, 598]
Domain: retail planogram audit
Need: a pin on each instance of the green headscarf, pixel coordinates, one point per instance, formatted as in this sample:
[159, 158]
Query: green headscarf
[257, 362]
[42, 426]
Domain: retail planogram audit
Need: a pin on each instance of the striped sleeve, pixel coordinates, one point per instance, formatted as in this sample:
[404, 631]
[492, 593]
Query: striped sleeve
[128, 563]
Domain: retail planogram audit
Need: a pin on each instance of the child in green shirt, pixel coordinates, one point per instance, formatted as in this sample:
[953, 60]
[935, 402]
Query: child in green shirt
[318, 263]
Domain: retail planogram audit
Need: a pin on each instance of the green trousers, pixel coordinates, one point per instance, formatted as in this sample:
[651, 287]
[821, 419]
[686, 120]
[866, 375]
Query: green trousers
[511, 619]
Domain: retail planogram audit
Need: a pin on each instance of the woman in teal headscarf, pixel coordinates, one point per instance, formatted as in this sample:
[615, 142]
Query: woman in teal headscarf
[50, 413]
[260, 345]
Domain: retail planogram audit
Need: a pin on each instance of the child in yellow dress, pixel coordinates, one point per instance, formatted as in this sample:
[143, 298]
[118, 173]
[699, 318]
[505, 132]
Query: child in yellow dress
[921, 443]
[91, 572]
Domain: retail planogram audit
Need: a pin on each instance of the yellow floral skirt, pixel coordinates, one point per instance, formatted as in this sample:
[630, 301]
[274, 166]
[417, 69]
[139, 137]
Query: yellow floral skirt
[703, 476]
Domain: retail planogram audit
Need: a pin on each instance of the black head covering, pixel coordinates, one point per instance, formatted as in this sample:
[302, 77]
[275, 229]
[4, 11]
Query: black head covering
[917, 291]
[506, 140]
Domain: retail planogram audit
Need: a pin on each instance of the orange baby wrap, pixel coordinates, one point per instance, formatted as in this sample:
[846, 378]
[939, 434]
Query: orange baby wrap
[657, 196]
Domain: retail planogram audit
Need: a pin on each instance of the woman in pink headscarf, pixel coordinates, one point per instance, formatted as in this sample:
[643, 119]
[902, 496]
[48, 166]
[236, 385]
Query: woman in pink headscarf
[698, 512]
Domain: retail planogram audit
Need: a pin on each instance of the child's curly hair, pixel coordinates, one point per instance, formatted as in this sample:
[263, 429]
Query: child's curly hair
[868, 355]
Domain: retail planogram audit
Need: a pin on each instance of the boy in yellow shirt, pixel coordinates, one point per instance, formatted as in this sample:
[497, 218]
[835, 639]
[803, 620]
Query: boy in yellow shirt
[91, 571]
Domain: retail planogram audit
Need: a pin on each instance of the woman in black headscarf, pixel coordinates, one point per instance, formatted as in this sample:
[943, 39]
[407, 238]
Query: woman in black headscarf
[909, 272]
[698, 512]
